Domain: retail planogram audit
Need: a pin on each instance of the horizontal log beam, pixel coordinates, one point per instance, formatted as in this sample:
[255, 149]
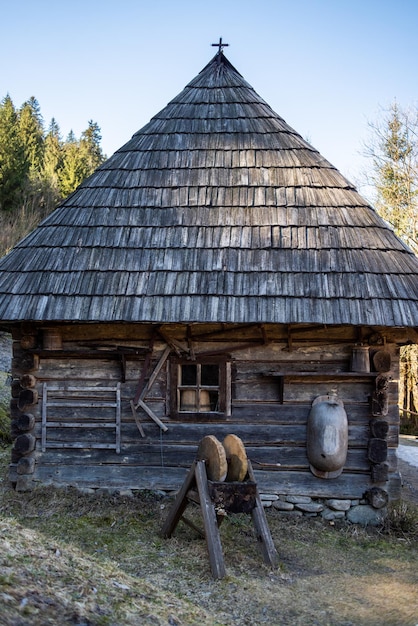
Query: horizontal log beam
[348, 485]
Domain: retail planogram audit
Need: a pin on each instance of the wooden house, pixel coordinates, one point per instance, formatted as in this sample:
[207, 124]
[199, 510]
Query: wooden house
[216, 275]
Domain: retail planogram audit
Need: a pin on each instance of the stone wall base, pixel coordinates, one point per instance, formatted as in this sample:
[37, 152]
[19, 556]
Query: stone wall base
[357, 511]
[354, 511]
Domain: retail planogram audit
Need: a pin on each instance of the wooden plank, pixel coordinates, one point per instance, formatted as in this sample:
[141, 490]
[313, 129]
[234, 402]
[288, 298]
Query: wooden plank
[213, 539]
[298, 412]
[285, 440]
[80, 370]
[135, 334]
[193, 526]
[348, 485]
[44, 416]
[85, 435]
[177, 455]
[118, 418]
[321, 375]
[155, 372]
[82, 414]
[179, 505]
[79, 390]
[253, 433]
[118, 477]
[152, 415]
[136, 418]
[76, 403]
[87, 424]
[262, 529]
[80, 445]
[304, 390]
[156, 391]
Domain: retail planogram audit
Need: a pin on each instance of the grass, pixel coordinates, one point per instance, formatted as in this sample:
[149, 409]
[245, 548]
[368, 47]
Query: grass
[95, 560]
[5, 437]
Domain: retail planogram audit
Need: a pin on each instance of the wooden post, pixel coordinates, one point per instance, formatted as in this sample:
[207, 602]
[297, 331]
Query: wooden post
[152, 415]
[180, 504]
[213, 539]
[118, 418]
[263, 531]
[44, 416]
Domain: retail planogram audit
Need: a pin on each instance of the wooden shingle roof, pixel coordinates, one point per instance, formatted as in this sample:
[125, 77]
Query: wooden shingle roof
[216, 210]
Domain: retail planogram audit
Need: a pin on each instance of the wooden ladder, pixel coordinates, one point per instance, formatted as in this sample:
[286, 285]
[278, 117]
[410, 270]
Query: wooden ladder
[234, 497]
[64, 401]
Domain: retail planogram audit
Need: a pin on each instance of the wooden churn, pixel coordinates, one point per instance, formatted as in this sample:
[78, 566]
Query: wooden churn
[360, 359]
[51, 339]
[189, 401]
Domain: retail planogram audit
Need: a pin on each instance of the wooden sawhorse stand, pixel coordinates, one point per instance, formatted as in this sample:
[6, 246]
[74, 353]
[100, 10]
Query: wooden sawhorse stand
[232, 497]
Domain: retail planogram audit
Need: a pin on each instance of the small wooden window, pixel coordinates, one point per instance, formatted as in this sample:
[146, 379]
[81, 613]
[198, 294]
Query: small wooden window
[200, 388]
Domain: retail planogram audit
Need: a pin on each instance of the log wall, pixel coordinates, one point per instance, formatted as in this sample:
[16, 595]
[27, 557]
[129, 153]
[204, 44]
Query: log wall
[71, 427]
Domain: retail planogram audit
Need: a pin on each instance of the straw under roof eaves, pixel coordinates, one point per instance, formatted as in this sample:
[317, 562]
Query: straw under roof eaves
[215, 211]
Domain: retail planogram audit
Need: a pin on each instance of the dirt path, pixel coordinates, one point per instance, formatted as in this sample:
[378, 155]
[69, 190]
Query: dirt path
[409, 474]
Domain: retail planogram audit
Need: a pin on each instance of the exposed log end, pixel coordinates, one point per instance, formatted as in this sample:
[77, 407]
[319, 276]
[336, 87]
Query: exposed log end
[377, 450]
[24, 444]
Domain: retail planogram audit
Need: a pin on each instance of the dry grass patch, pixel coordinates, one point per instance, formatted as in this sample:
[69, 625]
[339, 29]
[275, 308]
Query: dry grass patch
[80, 559]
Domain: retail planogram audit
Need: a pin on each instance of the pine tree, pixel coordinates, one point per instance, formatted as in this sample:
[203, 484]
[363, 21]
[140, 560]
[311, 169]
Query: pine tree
[51, 166]
[395, 171]
[32, 134]
[14, 166]
[52, 156]
[80, 158]
[90, 148]
[72, 172]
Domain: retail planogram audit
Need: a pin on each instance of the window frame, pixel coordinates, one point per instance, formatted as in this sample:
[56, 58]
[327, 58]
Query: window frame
[224, 386]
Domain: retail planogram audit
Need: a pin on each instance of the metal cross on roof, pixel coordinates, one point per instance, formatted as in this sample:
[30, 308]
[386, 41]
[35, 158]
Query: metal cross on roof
[220, 44]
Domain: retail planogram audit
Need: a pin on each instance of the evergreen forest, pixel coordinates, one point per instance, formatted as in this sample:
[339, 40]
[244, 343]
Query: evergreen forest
[38, 168]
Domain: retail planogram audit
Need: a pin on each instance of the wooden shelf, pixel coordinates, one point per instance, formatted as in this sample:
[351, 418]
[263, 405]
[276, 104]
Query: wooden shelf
[90, 354]
[322, 374]
[118, 354]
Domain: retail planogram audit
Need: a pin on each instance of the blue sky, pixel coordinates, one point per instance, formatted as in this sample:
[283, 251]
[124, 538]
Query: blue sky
[326, 66]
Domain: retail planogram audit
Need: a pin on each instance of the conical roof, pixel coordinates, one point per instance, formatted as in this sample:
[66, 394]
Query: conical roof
[215, 211]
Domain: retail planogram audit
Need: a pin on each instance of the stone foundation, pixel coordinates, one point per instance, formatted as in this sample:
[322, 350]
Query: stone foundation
[331, 509]
[354, 511]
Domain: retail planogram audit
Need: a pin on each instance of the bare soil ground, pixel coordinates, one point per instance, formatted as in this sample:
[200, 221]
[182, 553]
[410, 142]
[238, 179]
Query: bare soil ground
[67, 558]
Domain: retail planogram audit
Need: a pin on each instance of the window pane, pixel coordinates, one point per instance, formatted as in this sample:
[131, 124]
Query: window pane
[188, 400]
[204, 404]
[214, 400]
[188, 375]
[210, 375]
